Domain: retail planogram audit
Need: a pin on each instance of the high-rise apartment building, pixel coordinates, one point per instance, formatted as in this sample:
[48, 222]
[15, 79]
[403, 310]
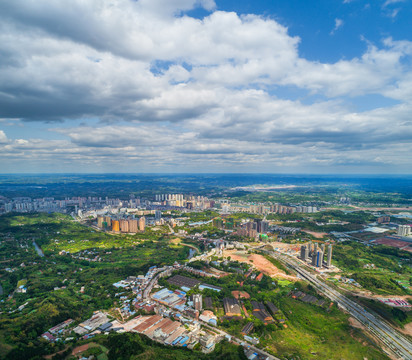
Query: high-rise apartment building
[404, 230]
[314, 258]
[133, 226]
[142, 223]
[264, 226]
[124, 226]
[158, 215]
[115, 225]
[303, 252]
[329, 258]
[319, 259]
[384, 219]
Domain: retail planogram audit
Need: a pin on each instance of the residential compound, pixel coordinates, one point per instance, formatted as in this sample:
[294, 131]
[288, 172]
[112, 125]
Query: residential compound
[183, 201]
[253, 228]
[267, 209]
[75, 205]
[121, 225]
[316, 254]
[250, 229]
[95, 205]
[404, 230]
[176, 318]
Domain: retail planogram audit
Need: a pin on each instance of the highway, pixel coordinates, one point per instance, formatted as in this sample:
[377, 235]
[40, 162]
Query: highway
[399, 345]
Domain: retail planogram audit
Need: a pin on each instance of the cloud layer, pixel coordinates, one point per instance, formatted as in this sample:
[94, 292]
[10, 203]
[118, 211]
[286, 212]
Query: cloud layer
[159, 90]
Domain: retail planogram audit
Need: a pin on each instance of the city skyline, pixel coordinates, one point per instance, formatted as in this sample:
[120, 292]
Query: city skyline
[206, 86]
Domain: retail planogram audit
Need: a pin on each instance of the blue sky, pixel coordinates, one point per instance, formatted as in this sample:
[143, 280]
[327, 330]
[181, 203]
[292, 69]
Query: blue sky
[313, 22]
[206, 86]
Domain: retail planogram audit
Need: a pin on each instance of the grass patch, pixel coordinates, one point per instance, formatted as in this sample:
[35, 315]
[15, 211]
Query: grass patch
[284, 283]
[311, 330]
[22, 282]
[278, 264]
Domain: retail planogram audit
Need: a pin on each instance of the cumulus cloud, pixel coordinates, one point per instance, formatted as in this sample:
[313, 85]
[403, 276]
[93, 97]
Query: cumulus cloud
[3, 137]
[390, 2]
[389, 10]
[338, 24]
[166, 87]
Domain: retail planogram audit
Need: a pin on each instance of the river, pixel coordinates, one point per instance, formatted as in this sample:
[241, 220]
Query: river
[191, 253]
[200, 223]
[38, 249]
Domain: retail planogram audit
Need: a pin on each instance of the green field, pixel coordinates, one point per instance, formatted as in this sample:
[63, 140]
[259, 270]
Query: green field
[284, 282]
[96, 260]
[312, 332]
[392, 267]
[53, 282]
[324, 331]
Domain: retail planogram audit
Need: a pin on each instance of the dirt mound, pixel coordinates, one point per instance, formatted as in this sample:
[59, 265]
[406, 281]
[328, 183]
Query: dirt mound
[259, 262]
[240, 294]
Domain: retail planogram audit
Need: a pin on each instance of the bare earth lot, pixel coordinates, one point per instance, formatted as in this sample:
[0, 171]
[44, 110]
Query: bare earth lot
[317, 235]
[407, 329]
[259, 263]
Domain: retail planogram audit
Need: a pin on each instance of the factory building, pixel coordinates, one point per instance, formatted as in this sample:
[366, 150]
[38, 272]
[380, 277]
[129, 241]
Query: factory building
[197, 301]
[232, 307]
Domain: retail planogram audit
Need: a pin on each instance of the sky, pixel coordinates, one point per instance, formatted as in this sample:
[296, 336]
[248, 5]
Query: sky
[168, 86]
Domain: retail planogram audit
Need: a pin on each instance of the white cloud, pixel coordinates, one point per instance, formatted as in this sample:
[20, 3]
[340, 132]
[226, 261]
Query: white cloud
[388, 9]
[3, 137]
[394, 13]
[338, 24]
[168, 88]
[391, 2]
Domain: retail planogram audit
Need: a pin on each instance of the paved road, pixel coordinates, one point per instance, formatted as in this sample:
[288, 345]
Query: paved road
[399, 345]
[153, 281]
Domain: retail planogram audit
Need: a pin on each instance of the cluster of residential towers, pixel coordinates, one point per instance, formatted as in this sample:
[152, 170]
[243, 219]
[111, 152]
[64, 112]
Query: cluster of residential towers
[316, 254]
